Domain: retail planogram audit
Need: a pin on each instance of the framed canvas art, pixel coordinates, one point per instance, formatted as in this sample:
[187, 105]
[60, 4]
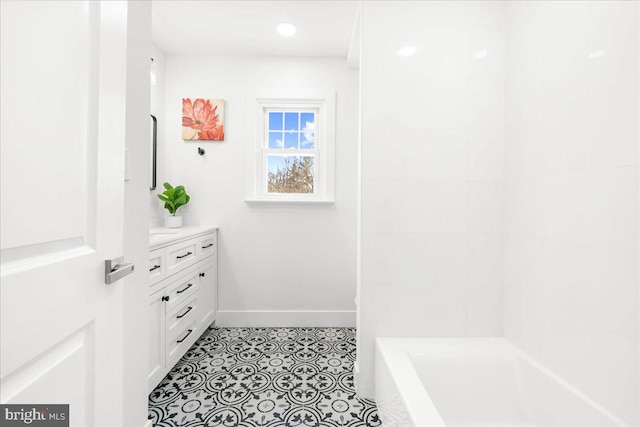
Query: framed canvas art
[203, 119]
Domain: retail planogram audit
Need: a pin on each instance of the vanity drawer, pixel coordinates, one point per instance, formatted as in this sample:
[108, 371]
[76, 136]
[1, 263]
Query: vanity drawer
[181, 343]
[156, 266]
[182, 317]
[181, 255]
[207, 245]
[181, 290]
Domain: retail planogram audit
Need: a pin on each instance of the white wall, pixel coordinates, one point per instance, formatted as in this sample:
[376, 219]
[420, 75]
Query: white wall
[571, 244]
[432, 181]
[278, 264]
[136, 241]
[157, 211]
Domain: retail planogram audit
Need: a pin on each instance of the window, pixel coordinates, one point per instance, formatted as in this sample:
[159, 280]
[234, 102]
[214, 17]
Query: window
[291, 153]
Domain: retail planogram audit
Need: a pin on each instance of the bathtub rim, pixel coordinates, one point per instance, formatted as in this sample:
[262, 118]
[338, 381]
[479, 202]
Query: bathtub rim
[419, 405]
[417, 401]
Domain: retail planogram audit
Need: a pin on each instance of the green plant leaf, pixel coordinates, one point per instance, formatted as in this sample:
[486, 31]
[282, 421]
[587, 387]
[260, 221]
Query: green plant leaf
[174, 198]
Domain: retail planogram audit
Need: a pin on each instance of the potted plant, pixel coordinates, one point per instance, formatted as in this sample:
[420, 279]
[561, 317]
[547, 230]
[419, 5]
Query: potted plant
[173, 199]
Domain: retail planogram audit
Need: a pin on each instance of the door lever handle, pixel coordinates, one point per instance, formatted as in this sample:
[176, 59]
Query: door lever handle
[115, 269]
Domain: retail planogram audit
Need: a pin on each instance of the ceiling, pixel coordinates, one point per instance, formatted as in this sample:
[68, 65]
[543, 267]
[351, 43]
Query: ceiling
[242, 27]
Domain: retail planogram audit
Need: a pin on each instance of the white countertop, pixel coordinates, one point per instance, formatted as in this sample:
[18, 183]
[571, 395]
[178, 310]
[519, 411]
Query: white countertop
[160, 235]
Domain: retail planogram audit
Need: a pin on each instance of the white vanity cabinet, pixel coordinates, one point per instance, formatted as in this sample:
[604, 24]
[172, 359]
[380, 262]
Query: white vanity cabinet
[182, 295]
[157, 317]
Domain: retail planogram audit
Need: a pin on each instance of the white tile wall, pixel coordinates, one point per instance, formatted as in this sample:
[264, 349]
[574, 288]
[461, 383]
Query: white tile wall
[485, 204]
[571, 200]
[486, 155]
[521, 321]
[486, 102]
[433, 154]
[594, 360]
[432, 173]
[500, 190]
[427, 260]
[431, 206]
[485, 310]
[485, 259]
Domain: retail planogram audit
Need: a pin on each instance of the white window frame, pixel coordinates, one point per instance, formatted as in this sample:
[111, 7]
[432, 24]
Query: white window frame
[259, 103]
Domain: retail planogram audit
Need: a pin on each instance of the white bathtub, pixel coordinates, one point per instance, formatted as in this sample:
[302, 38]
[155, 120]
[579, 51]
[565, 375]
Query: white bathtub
[474, 382]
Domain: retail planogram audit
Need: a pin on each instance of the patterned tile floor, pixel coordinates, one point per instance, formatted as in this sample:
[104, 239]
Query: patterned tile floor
[264, 377]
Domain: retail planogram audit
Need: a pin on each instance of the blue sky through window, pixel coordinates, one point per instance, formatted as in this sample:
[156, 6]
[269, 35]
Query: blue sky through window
[291, 140]
[275, 121]
[307, 119]
[299, 130]
[275, 162]
[290, 121]
[276, 140]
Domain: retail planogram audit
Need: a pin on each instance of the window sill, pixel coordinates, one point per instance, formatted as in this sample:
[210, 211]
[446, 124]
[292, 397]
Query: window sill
[288, 202]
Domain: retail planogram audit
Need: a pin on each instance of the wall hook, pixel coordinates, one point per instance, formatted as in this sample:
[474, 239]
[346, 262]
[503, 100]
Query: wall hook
[200, 151]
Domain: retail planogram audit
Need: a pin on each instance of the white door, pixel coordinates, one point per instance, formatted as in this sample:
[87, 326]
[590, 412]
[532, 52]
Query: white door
[62, 176]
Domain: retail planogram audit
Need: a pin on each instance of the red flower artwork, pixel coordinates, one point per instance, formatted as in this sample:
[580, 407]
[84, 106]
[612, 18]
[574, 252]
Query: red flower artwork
[216, 134]
[202, 119]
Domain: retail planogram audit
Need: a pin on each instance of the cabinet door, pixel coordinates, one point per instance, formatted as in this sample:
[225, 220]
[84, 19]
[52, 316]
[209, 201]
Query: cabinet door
[156, 338]
[208, 304]
[156, 266]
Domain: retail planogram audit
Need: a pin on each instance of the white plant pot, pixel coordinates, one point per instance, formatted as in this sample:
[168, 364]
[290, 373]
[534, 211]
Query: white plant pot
[174, 221]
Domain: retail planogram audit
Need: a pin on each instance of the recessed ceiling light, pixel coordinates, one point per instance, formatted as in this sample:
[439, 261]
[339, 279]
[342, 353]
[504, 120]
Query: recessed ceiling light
[407, 51]
[286, 29]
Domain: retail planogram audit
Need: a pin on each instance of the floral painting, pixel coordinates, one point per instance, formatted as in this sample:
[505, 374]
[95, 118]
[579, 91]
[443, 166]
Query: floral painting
[203, 119]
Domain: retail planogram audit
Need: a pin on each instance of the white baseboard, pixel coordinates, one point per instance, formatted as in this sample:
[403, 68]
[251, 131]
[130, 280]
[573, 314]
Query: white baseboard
[228, 318]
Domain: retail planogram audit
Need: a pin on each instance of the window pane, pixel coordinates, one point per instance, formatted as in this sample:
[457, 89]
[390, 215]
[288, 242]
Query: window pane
[307, 140]
[275, 121]
[276, 140]
[290, 121]
[291, 140]
[307, 121]
[308, 127]
[290, 174]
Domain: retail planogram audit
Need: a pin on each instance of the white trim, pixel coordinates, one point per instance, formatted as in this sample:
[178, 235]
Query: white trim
[357, 377]
[149, 423]
[353, 56]
[288, 202]
[324, 101]
[286, 318]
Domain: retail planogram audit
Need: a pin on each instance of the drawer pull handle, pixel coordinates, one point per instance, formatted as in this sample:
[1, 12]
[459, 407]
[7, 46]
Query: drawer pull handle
[201, 274]
[188, 286]
[185, 313]
[155, 267]
[207, 246]
[165, 298]
[185, 255]
[185, 337]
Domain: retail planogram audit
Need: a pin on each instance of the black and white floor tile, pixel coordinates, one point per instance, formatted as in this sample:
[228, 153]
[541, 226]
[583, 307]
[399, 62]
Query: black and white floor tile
[292, 377]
